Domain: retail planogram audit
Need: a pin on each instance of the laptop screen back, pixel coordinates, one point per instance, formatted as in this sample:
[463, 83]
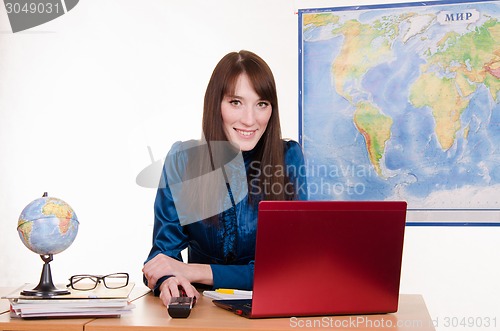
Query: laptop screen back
[328, 257]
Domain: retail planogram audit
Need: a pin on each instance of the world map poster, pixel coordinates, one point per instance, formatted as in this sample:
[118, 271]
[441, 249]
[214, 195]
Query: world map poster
[402, 102]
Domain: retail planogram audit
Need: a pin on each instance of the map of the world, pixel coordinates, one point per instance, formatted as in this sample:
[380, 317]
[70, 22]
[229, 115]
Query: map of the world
[402, 102]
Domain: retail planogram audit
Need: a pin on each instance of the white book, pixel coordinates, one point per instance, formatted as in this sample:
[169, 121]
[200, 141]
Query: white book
[237, 295]
[91, 312]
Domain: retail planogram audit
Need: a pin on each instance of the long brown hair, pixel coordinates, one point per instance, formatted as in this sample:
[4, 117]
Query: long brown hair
[269, 151]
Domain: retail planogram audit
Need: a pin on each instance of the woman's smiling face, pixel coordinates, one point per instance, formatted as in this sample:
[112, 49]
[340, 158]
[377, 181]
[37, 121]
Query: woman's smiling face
[245, 115]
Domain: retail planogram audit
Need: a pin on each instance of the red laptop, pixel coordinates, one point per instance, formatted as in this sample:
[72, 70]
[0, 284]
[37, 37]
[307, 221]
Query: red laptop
[318, 258]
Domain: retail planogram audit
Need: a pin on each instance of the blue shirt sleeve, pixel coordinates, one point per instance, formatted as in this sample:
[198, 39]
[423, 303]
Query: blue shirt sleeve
[233, 276]
[169, 237]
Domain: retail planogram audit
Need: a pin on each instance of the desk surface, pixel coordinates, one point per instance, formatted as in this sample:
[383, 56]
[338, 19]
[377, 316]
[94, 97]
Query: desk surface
[150, 314]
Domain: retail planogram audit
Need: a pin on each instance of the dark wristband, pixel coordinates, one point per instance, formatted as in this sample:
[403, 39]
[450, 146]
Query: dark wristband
[160, 281]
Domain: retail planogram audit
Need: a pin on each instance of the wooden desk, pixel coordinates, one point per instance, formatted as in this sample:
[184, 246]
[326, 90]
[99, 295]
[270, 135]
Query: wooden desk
[150, 314]
[70, 324]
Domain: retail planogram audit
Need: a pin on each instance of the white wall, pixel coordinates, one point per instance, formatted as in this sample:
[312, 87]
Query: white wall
[83, 96]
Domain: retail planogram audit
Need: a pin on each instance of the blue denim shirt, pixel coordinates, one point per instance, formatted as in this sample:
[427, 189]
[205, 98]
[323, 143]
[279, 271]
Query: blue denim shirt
[204, 240]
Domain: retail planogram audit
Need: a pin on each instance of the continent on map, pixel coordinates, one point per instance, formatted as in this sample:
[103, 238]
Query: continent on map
[57, 209]
[25, 229]
[442, 96]
[364, 47]
[376, 129]
[450, 75]
[62, 211]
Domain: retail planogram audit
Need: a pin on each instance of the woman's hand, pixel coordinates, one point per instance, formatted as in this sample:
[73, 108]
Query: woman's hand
[173, 286]
[163, 265]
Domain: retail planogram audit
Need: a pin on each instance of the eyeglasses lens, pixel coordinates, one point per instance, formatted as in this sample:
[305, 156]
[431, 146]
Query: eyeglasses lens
[116, 280]
[84, 282]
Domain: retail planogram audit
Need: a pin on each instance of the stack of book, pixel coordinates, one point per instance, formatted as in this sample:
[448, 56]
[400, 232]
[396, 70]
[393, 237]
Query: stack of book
[100, 302]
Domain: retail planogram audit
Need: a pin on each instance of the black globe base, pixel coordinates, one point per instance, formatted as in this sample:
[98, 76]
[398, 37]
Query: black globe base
[45, 287]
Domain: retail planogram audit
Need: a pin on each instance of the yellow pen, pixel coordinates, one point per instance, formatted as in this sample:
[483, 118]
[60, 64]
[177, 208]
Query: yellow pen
[231, 291]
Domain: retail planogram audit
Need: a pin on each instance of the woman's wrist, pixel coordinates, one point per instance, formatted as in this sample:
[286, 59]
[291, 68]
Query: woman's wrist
[200, 273]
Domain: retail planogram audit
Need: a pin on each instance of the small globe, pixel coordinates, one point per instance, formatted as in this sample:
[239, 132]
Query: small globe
[47, 226]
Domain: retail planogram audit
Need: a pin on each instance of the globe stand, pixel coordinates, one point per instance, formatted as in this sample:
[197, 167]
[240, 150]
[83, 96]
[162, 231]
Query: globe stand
[46, 287]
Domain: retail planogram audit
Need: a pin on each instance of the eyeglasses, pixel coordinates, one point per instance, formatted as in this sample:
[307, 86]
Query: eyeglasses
[90, 282]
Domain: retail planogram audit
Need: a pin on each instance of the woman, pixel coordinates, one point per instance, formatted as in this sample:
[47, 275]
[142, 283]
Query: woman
[241, 109]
